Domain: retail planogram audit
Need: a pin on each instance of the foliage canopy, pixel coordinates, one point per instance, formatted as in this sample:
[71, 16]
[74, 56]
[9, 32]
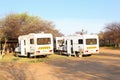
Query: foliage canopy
[14, 25]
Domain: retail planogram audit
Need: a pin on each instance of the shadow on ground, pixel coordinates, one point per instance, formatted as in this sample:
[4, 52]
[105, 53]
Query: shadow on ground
[84, 69]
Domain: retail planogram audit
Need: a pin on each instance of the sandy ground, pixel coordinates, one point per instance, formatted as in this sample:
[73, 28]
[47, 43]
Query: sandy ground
[103, 66]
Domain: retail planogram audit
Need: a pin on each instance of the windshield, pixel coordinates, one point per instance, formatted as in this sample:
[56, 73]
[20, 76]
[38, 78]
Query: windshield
[60, 42]
[91, 41]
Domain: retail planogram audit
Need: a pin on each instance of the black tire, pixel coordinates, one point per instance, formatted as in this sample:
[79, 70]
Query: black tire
[16, 54]
[45, 55]
[28, 55]
[69, 55]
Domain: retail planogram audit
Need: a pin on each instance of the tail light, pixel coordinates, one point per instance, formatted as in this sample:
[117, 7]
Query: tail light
[38, 52]
[86, 50]
[50, 50]
[97, 50]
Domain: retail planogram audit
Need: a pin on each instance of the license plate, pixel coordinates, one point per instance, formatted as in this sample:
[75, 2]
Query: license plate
[44, 51]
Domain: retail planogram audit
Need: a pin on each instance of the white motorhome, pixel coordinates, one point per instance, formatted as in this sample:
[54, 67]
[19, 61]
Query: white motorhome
[35, 44]
[72, 45]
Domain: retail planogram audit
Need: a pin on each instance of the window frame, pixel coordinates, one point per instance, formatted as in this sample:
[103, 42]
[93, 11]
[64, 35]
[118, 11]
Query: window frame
[92, 41]
[31, 41]
[80, 41]
[43, 41]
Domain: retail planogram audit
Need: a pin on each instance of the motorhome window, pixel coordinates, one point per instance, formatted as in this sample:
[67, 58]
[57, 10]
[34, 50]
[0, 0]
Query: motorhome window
[41, 41]
[80, 41]
[60, 42]
[66, 43]
[31, 41]
[24, 42]
[71, 42]
[91, 41]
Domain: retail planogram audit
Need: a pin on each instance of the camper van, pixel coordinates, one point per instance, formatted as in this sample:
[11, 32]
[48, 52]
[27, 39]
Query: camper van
[78, 44]
[35, 44]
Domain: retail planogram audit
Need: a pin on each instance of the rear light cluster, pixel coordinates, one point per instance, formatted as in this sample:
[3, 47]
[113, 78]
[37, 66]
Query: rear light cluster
[97, 50]
[88, 51]
[39, 51]
[50, 50]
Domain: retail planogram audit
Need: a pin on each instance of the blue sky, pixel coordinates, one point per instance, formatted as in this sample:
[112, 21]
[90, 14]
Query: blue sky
[69, 16]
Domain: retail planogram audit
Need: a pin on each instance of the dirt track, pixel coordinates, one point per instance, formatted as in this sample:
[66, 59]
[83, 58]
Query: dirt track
[103, 66]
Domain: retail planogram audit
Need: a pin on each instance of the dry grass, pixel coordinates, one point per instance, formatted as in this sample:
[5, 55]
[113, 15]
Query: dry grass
[11, 58]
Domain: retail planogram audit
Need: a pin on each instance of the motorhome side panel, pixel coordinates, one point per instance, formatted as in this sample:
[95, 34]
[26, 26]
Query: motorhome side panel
[23, 45]
[77, 43]
[31, 43]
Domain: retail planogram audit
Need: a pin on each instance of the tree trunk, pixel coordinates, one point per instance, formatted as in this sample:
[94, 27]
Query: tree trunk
[4, 46]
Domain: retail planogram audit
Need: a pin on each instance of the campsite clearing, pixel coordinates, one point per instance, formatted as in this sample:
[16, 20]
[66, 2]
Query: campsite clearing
[103, 66]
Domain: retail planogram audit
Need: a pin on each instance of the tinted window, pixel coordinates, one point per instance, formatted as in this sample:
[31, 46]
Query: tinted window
[71, 42]
[60, 42]
[24, 42]
[66, 42]
[91, 41]
[31, 41]
[41, 41]
[80, 41]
